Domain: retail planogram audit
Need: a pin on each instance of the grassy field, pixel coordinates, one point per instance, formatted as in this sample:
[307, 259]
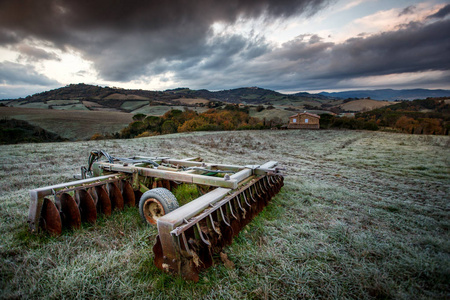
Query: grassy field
[271, 113]
[159, 110]
[364, 105]
[362, 215]
[133, 105]
[70, 124]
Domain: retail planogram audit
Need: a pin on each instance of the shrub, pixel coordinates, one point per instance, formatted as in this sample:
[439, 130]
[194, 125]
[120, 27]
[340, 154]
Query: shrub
[96, 137]
[139, 117]
[169, 126]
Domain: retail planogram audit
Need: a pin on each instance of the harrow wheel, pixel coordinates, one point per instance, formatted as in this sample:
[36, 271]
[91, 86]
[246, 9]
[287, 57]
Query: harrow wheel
[156, 203]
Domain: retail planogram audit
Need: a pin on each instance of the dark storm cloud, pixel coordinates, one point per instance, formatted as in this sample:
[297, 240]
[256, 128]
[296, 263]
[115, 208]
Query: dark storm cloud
[7, 37]
[124, 38]
[442, 13]
[32, 54]
[411, 49]
[174, 40]
[14, 74]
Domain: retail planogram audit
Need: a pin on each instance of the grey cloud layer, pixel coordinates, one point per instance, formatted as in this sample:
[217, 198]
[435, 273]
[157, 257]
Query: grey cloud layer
[442, 13]
[317, 64]
[140, 39]
[13, 73]
[130, 34]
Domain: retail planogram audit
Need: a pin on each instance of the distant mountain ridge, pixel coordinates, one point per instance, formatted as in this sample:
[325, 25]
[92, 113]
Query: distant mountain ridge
[389, 94]
[250, 95]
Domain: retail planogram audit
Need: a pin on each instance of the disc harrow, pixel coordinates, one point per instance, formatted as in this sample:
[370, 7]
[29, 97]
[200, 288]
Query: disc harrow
[189, 236]
[185, 246]
[67, 205]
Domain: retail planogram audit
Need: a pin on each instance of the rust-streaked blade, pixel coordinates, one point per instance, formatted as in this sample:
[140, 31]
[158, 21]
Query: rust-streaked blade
[128, 194]
[103, 201]
[50, 219]
[88, 210]
[93, 194]
[71, 213]
[116, 196]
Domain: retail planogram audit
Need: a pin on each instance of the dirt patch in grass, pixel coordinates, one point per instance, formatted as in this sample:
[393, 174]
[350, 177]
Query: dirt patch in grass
[191, 101]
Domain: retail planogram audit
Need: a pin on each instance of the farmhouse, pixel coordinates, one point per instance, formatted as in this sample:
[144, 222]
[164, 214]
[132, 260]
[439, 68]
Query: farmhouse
[304, 121]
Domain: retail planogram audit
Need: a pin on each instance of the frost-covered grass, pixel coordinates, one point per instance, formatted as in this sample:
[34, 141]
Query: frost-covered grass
[132, 105]
[362, 215]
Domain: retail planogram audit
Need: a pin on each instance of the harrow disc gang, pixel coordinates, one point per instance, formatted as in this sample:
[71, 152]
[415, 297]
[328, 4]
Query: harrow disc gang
[67, 205]
[187, 246]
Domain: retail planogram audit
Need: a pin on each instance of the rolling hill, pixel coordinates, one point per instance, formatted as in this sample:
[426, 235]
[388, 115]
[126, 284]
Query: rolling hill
[78, 111]
[389, 94]
[101, 98]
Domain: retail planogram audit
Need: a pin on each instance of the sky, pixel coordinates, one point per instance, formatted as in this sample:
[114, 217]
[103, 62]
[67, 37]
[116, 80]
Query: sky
[284, 45]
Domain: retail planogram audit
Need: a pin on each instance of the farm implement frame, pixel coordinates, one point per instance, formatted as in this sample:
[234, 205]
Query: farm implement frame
[188, 235]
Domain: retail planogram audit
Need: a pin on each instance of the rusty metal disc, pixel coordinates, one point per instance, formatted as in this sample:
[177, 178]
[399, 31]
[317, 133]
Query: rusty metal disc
[70, 212]
[116, 196]
[87, 207]
[282, 181]
[50, 219]
[271, 188]
[103, 201]
[236, 226]
[173, 185]
[128, 194]
[166, 184]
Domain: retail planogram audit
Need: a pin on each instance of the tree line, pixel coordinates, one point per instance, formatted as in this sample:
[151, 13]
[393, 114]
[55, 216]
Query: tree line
[229, 117]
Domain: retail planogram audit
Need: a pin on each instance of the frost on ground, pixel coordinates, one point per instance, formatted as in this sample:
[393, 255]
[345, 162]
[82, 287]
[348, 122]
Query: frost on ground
[362, 215]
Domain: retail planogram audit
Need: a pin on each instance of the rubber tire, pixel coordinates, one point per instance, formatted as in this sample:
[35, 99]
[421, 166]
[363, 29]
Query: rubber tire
[165, 198]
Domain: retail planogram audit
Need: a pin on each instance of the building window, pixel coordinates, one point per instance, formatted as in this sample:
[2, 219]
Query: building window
[294, 120]
[306, 120]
